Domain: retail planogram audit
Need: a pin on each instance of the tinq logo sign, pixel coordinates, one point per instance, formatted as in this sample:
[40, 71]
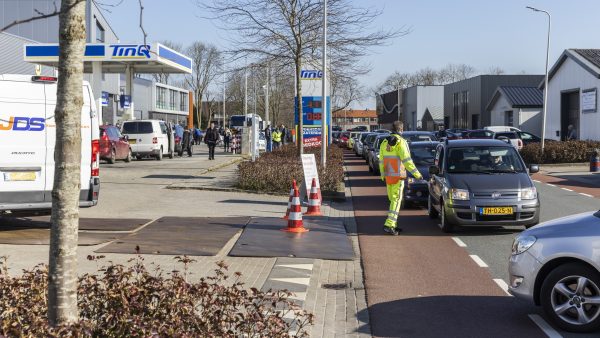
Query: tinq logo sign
[130, 51]
[311, 74]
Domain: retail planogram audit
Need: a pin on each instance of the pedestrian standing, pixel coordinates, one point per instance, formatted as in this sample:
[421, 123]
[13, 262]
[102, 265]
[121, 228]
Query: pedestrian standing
[571, 133]
[394, 160]
[226, 139]
[284, 135]
[276, 139]
[197, 136]
[268, 136]
[186, 142]
[211, 137]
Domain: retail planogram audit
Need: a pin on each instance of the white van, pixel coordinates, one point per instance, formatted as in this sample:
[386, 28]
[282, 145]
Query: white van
[27, 143]
[149, 138]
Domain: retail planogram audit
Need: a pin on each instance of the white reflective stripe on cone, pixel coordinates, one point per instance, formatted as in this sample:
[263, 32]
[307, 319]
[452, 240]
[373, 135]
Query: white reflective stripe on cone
[296, 201]
[313, 202]
[295, 216]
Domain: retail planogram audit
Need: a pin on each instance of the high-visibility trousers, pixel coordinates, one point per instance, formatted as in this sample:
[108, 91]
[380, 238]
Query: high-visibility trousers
[394, 192]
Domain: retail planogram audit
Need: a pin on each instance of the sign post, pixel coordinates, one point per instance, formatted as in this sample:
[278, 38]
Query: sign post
[309, 166]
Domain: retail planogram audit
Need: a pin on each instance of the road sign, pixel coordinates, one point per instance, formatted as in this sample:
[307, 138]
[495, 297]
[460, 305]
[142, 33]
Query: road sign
[309, 165]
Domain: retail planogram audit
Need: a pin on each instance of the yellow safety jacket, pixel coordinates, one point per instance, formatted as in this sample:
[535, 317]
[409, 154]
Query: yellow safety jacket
[394, 160]
[276, 136]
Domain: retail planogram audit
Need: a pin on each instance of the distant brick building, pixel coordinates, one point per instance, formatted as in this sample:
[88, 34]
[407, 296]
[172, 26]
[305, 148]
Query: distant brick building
[347, 119]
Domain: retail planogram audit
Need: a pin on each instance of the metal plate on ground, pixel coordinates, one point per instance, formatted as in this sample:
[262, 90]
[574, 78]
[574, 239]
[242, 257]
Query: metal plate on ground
[263, 237]
[38, 236]
[193, 236]
[90, 224]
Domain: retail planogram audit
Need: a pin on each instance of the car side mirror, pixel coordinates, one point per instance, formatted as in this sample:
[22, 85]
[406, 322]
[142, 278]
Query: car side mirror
[534, 168]
[434, 170]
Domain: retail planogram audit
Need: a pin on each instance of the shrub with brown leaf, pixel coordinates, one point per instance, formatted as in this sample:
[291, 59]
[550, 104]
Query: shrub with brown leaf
[559, 152]
[131, 301]
[274, 171]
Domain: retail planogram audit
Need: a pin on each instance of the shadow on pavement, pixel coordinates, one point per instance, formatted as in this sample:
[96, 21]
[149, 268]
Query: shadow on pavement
[453, 317]
[234, 201]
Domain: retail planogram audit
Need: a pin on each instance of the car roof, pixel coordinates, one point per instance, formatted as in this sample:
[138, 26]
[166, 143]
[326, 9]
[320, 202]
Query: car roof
[417, 132]
[423, 143]
[477, 142]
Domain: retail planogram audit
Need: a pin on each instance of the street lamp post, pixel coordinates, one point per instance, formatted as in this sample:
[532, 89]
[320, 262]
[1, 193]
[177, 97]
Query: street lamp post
[546, 78]
[324, 129]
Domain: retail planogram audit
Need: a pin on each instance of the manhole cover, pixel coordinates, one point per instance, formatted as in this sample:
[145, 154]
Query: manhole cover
[337, 286]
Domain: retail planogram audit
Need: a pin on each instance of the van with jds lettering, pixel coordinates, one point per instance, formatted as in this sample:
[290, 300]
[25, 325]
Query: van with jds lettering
[27, 143]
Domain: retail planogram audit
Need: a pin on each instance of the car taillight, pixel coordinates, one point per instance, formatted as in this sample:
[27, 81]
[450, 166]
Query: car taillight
[44, 79]
[520, 143]
[177, 139]
[95, 158]
[155, 140]
[104, 136]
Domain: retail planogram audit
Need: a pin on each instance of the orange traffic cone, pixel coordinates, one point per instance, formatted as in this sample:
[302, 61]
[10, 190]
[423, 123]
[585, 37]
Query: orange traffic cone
[287, 213]
[314, 203]
[295, 223]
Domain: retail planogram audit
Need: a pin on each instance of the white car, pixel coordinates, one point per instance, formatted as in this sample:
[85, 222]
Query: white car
[27, 143]
[149, 138]
[497, 129]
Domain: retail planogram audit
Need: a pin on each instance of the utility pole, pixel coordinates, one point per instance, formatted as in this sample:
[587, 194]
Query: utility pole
[245, 92]
[546, 78]
[267, 95]
[224, 96]
[398, 101]
[324, 127]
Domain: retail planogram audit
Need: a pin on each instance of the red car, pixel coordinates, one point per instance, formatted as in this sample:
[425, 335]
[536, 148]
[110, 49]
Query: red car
[113, 145]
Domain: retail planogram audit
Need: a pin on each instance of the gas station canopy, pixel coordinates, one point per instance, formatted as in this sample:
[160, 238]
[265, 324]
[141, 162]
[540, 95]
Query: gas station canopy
[117, 57]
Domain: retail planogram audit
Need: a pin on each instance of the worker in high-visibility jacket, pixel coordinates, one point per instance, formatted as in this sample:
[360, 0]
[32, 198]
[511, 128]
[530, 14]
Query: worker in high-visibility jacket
[276, 138]
[394, 161]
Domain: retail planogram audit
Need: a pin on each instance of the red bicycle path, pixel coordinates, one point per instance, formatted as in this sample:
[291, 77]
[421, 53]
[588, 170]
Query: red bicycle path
[421, 283]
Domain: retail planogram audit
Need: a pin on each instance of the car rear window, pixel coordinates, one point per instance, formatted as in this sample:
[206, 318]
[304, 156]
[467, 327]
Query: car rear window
[423, 155]
[137, 128]
[510, 135]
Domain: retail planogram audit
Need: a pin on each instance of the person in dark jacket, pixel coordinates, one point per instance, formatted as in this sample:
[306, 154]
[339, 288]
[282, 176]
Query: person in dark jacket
[268, 138]
[211, 137]
[186, 142]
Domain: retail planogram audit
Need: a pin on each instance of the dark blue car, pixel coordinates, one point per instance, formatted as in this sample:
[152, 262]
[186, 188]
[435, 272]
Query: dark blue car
[423, 155]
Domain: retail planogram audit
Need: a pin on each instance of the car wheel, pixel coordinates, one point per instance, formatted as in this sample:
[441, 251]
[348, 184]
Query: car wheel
[129, 156]
[570, 296]
[433, 214]
[113, 157]
[445, 224]
[160, 154]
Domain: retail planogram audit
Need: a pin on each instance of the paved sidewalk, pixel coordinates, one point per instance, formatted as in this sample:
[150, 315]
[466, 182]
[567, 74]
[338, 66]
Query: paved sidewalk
[332, 290]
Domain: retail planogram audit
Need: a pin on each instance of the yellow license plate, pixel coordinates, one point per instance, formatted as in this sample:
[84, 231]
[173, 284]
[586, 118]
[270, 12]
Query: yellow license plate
[496, 211]
[20, 176]
[132, 141]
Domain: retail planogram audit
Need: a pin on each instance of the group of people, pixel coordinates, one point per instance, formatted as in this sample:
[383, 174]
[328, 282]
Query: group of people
[276, 137]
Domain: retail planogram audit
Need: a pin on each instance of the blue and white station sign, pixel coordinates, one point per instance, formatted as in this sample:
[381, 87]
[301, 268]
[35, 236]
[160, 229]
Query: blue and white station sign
[147, 58]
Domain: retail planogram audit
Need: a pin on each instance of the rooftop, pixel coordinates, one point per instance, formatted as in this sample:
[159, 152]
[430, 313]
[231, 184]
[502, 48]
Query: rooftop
[355, 113]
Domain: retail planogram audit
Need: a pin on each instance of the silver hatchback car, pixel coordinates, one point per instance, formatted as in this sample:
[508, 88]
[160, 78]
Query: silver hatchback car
[557, 265]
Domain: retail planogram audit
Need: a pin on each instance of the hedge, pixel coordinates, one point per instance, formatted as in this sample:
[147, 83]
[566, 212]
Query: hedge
[273, 172]
[559, 152]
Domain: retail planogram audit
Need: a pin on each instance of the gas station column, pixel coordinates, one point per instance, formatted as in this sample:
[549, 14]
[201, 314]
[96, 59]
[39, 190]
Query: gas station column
[129, 74]
[97, 85]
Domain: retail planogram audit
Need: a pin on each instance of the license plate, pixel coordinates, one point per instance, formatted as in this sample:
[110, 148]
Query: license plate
[20, 176]
[132, 141]
[496, 211]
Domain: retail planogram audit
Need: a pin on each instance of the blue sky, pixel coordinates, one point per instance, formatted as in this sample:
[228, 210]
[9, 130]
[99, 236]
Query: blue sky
[481, 33]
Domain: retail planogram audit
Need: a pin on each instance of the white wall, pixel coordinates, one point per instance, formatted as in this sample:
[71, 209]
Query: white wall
[530, 120]
[428, 97]
[497, 112]
[571, 76]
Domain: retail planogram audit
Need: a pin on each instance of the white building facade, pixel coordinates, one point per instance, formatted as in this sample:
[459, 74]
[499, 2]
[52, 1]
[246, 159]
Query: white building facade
[417, 100]
[517, 106]
[573, 95]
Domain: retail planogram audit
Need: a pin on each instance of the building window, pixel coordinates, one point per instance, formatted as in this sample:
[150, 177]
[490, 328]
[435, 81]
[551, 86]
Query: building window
[161, 98]
[183, 101]
[460, 110]
[99, 32]
[508, 118]
[172, 98]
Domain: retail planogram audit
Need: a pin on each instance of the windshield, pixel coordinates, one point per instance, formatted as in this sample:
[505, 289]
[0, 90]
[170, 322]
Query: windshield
[484, 159]
[137, 128]
[423, 155]
[363, 137]
[417, 137]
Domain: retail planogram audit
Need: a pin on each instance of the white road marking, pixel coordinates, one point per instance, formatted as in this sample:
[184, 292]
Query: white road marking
[303, 281]
[297, 266]
[541, 323]
[502, 284]
[566, 189]
[479, 261]
[536, 181]
[552, 185]
[459, 242]
[584, 194]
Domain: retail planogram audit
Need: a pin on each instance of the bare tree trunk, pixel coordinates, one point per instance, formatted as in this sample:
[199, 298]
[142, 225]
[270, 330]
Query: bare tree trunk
[62, 285]
[199, 110]
[299, 110]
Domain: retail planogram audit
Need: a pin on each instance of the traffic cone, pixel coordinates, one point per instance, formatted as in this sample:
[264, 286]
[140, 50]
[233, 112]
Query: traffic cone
[287, 213]
[295, 223]
[314, 203]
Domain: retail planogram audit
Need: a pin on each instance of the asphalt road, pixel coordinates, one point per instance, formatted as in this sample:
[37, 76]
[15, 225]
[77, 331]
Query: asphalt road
[425, 283]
